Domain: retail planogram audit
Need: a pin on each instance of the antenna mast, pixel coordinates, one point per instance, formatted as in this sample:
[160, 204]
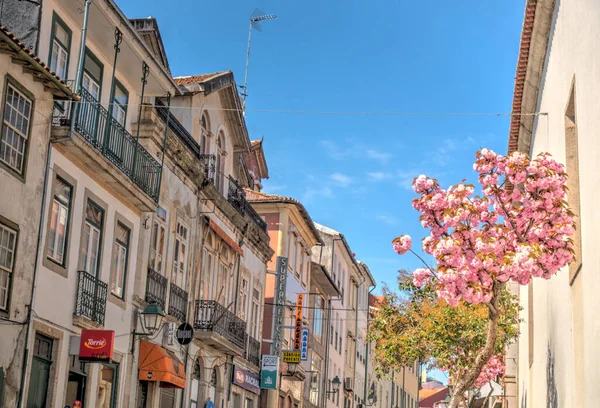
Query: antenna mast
[255, 19]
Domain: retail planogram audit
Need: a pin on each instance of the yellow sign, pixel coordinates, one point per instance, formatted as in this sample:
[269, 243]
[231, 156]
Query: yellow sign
[291, 357]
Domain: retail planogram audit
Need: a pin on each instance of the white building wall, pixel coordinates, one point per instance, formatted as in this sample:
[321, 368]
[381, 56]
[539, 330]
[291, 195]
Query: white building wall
[566, 330]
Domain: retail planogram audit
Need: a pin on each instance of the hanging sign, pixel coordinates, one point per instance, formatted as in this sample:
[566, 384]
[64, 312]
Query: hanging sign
[298, 334]
[96, 345]
[291, 356]
[282, 264]
[269, 371]
[304, 345]
[246, 379]
[184, 334]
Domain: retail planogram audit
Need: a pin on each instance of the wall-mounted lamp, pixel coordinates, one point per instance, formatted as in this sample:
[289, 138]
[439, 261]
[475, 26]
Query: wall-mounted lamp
[151, 320]
[334, 386]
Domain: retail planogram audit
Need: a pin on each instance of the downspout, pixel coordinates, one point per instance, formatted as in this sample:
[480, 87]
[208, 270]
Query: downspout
[403, 390]
[393, 372]
[35, 274]
[329, 310]
[79, 75]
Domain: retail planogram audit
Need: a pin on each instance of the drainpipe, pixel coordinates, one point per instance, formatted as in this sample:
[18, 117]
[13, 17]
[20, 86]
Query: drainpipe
[107, 125]
[329, 313]
[392, 406]
[79, 75]
[35, 274]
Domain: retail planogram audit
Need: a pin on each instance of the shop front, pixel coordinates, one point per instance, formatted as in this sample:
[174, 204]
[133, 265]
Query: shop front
[245, 388]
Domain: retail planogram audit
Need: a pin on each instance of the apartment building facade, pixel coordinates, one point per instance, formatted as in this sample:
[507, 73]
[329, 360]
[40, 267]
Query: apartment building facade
[29, 91]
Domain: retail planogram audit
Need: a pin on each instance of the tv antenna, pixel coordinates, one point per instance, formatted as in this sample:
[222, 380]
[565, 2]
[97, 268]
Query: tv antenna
[255, 19]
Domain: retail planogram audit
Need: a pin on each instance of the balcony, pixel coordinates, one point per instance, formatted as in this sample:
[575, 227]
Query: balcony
[109, 138]
[236, 196]
[219, 327]
[208, 162]
[90, 301]
[253, 351]
[156, 288]
[255, 217]
[178, 302]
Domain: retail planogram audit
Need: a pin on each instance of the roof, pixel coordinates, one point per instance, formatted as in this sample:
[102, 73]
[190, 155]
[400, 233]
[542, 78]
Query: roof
[148, 30]
[375, 301]
[331, 231]
[260, 197]
[197, 79]
[35, 66]
[428, 397]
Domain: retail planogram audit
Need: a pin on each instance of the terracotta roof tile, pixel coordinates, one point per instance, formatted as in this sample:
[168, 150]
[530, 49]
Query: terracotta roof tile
[428, 392]
[196, 79]
[46, 68]
[260, 197]
[515, 119]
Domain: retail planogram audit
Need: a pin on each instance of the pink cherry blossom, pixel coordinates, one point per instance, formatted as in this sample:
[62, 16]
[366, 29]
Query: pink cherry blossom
[402, 244]
[421, 276]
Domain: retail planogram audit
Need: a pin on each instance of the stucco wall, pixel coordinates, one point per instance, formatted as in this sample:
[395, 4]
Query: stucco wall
[566, 329]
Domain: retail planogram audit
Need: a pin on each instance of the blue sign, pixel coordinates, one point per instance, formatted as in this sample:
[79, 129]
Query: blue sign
[304, 345]
[210, 404]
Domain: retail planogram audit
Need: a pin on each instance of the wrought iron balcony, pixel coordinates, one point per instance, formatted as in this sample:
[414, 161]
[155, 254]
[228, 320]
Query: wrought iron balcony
[178, 302]
[156, 288]
[110, 138]
[91, 297]
[253, 351]
[236, 196]
[219, 327]
[255, 217]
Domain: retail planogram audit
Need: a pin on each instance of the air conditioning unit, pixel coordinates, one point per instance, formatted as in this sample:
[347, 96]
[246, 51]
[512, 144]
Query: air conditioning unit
[349, 384]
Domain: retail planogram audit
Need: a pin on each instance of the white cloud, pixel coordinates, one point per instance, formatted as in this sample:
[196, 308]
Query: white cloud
[334, 151]
[387, 219]
[405, 178]
[341, 179]
[377, 155]
[378, 175]
[311, 193]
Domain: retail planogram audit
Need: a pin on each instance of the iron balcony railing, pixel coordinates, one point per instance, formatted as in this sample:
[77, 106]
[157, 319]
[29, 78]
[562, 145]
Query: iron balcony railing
[211, 316]
[178, 302]
[208, 162]
[156, 288]
[90, 301]
[93, 123]
[253, 351]
[236, 196]
[255, 217]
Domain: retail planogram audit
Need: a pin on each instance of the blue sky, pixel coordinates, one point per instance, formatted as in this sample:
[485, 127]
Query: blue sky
[353, 172]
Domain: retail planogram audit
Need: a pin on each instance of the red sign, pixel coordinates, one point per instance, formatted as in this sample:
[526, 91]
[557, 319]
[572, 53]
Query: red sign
[96, 345]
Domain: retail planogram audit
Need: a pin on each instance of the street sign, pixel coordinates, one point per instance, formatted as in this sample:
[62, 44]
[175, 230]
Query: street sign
[304, 345]
[184, 334]
[269, 371]
[282, 264]
[298, 334]
[292, 356]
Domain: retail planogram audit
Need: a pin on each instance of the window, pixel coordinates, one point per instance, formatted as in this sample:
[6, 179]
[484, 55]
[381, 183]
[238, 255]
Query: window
[158, 241]
[60, 46]
[92, 233]
[205, 133]
[120, 100]
[315, 378]
[120, 256]
[40, 371]
[92, 75]
[180, 255]
[221, 161]
[207, 273]
[243, 298]
[318, 318]
[255, 313]
[15, 129]
[8, 247]
[59, 221]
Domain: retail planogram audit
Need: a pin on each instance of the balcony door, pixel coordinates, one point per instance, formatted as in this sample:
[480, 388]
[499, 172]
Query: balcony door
[89, 121]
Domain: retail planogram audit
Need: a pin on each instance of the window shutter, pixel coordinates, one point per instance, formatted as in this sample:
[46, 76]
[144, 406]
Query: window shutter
[167, 398]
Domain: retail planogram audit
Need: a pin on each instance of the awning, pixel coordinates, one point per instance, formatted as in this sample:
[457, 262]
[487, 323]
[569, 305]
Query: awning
[219, 231]
[159, 364]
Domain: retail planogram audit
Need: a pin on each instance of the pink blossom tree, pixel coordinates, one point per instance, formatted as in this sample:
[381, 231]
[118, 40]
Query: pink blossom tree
[517, 230]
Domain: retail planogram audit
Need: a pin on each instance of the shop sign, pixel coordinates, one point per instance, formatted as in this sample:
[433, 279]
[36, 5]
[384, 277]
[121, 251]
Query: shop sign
[269, 371]
[282, 266]
[298, 333]
[96, 345]
[291, 356]
[304, 345]
[246, 379]
[185, 333]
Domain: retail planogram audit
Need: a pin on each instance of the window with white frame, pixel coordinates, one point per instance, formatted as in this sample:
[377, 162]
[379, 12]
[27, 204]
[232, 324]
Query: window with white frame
[180, 255]
[205, 132]
[92, 235]
[157, 241]
[221, 162]
[15, 129]
[255, 318]
[60, 45]
[59, 221]
[8, 247]
[243, 298]
[315, 378]
[318, 317]
[120, 256]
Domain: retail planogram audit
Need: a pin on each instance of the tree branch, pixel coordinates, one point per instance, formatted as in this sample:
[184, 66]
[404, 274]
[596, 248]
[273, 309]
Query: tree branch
[425, 263]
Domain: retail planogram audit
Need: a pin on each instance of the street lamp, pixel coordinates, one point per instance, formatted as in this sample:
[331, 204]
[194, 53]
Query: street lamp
[151, 318]
[334, 385]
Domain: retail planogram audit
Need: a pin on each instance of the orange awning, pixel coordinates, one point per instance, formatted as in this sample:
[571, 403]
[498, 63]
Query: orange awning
[159, 364]
[226, 238]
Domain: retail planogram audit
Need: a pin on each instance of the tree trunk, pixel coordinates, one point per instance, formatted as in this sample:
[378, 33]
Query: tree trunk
[468, 379]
